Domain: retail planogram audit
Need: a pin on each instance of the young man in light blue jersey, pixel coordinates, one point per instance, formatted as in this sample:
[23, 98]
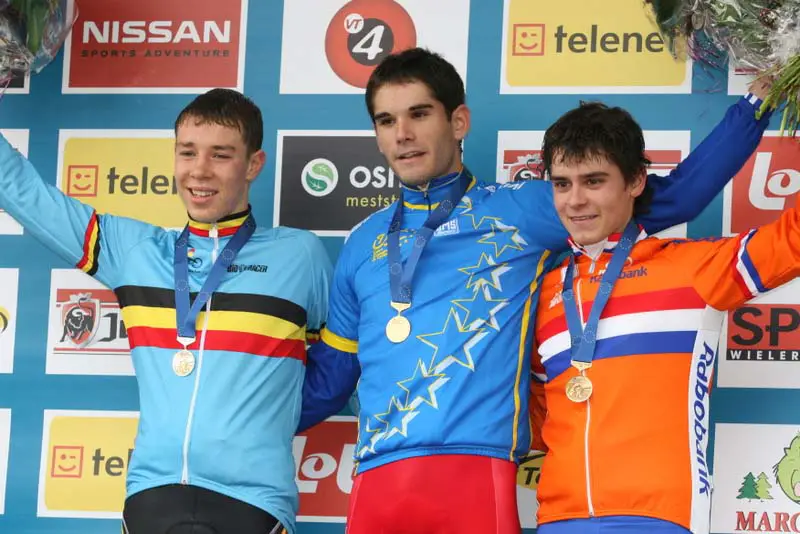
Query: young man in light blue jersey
[431, 306]
[219, 349]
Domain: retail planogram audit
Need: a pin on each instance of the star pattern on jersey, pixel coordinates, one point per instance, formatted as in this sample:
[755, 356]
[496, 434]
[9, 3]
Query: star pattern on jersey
[481, 299]
[469, 320]
[467, 213]
[494, 274]
[389, 417]
[466, 340]
[427, 382]
[375, 435]
[503, 237]
[369, 430]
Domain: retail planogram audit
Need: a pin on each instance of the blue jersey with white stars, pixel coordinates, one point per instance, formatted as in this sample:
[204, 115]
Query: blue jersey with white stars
[459, 383]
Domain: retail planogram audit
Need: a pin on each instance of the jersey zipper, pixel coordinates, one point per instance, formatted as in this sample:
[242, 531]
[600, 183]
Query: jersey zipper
[427, 198]
[213, 233]
[588, 409]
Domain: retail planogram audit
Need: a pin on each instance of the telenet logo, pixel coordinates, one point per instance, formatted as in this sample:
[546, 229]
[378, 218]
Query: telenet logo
[85, 458]
[573, 46]
[122, 172]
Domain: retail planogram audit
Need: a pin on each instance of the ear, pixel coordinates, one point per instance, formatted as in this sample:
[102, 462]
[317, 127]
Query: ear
[460, 121]
[256, 163]
[637, 186]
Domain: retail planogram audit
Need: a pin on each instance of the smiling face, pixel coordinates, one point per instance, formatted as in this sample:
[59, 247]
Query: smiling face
[414, 133]
[592, 197]
[529, 39]
[213, 169]
[82, 180]
[67, 461]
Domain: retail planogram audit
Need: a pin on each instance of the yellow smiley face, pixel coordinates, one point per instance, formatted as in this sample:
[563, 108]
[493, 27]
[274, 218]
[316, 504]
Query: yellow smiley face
[82, 180]
[528, 40]
[67, 461]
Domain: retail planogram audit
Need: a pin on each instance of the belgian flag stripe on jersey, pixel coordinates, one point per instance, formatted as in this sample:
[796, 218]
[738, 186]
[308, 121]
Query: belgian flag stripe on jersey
[231, 321]
[91, 246]
[238, 322]
[222, 340]
[157, 297]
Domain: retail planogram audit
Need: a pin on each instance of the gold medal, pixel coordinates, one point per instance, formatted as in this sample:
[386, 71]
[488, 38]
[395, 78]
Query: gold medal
[183, 363]
[398, 329]
[579, 388]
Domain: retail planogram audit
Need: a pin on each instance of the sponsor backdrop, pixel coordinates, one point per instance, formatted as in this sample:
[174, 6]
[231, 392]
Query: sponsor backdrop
[98, 124]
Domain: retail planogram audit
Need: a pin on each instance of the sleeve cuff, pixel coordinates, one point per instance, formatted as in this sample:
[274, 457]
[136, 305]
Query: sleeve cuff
[337, 342]
[755, 103]
[754, 100]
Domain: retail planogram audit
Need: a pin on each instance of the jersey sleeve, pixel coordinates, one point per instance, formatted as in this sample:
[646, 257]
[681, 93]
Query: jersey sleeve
[320, 270]
[331, 378]
[532, 200]
[737, 269]
[332, 368]
[341, 330]
[693, 184]
[74, 231]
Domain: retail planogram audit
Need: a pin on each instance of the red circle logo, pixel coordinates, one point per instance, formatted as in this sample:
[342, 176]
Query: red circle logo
[362, 33]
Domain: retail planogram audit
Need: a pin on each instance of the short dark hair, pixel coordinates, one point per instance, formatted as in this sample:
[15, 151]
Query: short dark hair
[230, 108]
[418, 65]
[594, 130]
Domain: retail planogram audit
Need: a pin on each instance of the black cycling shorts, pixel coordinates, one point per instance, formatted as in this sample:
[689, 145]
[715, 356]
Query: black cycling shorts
[181, 509]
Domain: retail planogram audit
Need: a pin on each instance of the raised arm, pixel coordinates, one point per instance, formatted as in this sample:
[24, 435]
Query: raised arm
[677, 198]
[693, 184]
[74, 231]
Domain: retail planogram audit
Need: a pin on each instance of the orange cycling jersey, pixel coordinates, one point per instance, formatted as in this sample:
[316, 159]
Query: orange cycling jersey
[638, 445]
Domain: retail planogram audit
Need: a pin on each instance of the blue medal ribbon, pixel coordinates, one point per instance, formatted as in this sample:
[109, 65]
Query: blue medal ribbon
[401, 275]
[186, 315]
[583, 340]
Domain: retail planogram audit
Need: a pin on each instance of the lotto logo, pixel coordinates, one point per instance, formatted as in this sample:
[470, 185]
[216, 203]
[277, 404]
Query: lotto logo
[765, 186]
[324, 459]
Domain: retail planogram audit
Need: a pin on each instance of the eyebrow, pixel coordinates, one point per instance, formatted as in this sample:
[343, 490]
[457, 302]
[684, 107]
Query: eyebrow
[417, 107]
[215, 147]
[596, 174]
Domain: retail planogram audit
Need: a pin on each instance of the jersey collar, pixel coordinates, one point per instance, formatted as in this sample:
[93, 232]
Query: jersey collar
[428, 196]
[226, 226]
[594, 250]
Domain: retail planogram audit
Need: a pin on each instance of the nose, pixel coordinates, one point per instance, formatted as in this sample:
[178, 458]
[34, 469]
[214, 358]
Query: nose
[576, 197]
[200, 168]
[403, 130]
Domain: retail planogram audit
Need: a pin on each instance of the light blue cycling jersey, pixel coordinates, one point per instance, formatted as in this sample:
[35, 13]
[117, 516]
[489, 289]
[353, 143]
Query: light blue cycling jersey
[228, 425]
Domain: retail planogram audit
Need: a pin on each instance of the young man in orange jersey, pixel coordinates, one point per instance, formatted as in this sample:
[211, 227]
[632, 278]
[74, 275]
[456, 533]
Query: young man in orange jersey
[626, 334]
